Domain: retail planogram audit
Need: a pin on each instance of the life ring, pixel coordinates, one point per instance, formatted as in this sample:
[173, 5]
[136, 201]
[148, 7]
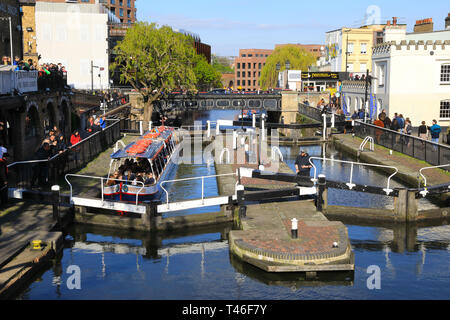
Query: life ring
[117, 189]
[125, 188]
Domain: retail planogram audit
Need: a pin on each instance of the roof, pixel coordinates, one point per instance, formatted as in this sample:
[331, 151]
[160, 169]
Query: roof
[152, 150]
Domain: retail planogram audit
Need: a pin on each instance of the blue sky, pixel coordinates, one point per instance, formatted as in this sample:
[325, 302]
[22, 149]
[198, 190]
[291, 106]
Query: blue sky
[232, 25]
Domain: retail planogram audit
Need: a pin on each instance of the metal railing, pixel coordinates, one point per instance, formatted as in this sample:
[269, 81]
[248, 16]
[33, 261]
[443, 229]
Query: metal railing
[425, 191]
[365, 141]
[45, 172]
[190, 179]
[317, 114]
[102, 184]
[434, 153]
[350, 184]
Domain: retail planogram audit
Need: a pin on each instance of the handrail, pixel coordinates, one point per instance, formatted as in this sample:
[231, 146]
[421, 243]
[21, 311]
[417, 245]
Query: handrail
[350, 184]
[424, 192]
[193, 178]
[222, 153]
[363, 144]
[274, 149]
[102, 185]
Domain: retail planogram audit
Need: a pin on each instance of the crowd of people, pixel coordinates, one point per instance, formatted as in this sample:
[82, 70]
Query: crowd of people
[134, 172]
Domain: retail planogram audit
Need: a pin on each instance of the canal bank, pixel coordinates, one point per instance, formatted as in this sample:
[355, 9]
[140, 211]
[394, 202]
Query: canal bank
[407, 205]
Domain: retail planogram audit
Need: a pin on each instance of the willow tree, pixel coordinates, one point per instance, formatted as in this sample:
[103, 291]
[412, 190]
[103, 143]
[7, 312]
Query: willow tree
[299, 58]
[155, 60]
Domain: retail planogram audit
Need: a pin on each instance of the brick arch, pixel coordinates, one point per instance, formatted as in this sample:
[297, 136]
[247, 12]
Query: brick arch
[50, 113]
[65, 123]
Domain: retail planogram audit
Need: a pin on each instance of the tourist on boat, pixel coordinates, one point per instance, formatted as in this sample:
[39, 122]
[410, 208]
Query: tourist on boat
[149, 180]
[112, 179]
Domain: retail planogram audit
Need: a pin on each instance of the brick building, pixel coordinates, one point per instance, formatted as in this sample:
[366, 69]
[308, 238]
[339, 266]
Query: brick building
[248, 68]
[10, 8]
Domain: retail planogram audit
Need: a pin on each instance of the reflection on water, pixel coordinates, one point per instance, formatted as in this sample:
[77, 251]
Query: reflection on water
[196, 264]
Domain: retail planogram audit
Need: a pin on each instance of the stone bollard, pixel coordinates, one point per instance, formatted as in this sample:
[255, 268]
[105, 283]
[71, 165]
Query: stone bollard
[55, 202]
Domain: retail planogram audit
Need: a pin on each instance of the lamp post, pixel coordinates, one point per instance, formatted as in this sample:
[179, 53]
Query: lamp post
[288, 66]
[10, 37]
[278, 75]
[346, 51]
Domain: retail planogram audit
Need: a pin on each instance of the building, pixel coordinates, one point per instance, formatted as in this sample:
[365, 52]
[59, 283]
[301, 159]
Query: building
[75, 35]
[413, 73]
[350, 49]
[125, 10]
[10, 9]
[248, 68]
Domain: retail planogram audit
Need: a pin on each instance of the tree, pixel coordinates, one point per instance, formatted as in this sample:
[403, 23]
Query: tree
[155, 61]
[221, 64]
[299, 58]
[206, 75]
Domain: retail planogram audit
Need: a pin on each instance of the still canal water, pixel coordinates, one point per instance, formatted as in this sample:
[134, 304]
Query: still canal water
[414, 262]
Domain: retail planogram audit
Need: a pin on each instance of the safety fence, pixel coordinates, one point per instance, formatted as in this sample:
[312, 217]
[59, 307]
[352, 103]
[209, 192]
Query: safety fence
[428, 151]
[43, 173]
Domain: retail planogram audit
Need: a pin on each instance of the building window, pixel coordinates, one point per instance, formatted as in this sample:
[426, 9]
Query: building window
[249, 82]
[129, 3]
[444, 112]
[113, 2]
[243, 65]
[381, 75]
[363, 48]
[249, 74]
[239, 74]
[250, 55]
[244, 55]
[350, 67]
[350, 48]
[249, 65]
[239, 82]
[259, 66]
[238, 65]
[445, 73]
[121, 3]
[121, 12]
[362, 67]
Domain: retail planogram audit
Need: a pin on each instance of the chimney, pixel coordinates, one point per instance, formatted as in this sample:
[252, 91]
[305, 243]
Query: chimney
[394, 21]
[425, 25]
[388, 23]
[447, 22]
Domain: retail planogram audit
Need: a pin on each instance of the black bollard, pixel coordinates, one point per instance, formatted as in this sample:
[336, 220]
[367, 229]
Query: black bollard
[242, 212]
[55, 202]
[322, 185]
[294, 229]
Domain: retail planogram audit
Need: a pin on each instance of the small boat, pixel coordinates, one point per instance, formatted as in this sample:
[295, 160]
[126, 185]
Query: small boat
[248, 115]
[155, 153]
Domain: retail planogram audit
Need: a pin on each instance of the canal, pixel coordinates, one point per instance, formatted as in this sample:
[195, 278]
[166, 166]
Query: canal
[196, 264]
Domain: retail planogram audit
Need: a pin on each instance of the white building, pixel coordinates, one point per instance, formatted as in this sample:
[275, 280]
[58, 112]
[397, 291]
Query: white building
[76, 35]
[413, 76]
[293, 78]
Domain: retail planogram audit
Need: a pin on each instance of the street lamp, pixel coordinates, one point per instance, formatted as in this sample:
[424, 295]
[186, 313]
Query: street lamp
[278, 74]
[10, 36]
[288, 66]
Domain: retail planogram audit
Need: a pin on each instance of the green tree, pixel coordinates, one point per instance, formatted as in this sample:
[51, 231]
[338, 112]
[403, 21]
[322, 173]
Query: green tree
[155, 60]
[221, 64]
[206, 75]
[299, 58]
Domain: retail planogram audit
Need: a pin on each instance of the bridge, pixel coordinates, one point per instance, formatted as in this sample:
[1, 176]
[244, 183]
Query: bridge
[232, 101]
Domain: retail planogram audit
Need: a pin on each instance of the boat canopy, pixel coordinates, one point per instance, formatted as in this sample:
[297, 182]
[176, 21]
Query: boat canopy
[148, 146]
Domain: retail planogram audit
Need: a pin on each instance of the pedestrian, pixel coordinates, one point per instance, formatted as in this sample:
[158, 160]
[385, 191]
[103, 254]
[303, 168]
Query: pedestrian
[3, 176]
[435, 132]
[379, 123]
[40, 170]
[75, 138]
[302, 164]
[102, 122]
[423, 131]
[408, 130]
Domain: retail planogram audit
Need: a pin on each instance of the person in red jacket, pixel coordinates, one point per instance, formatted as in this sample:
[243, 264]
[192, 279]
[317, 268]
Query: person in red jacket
[74, 139]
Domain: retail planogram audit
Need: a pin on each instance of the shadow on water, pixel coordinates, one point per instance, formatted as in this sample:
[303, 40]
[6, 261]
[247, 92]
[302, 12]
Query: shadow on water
[293, 280]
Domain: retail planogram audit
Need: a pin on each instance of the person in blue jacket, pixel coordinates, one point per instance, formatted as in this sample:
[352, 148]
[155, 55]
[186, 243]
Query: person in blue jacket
[435, 131]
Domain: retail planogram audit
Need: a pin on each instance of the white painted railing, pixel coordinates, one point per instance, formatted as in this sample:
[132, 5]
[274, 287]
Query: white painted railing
[350, 184]
[365, 141]
[190, 179]
[425, 191]
[102, 179]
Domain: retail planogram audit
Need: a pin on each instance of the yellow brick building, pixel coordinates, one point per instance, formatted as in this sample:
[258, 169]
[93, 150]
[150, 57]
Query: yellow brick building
[29, 30]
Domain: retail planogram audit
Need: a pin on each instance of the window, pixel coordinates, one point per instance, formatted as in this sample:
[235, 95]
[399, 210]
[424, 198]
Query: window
[121, 12]
[249, 74]
[250, 55]
[249, 65]
[238, 65]
[249, 82]
[254, 65]
[129, 3]
[363, 48]
[259, 66]
[244, 55]
[129, 13]
[362, 67]
[121, 3]
[381, 75]
[444, 112]
[239, 82]
[113, 1]
[445, 73]
[243, 65]
[239, 74]
[350, 67]
[350, 48]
